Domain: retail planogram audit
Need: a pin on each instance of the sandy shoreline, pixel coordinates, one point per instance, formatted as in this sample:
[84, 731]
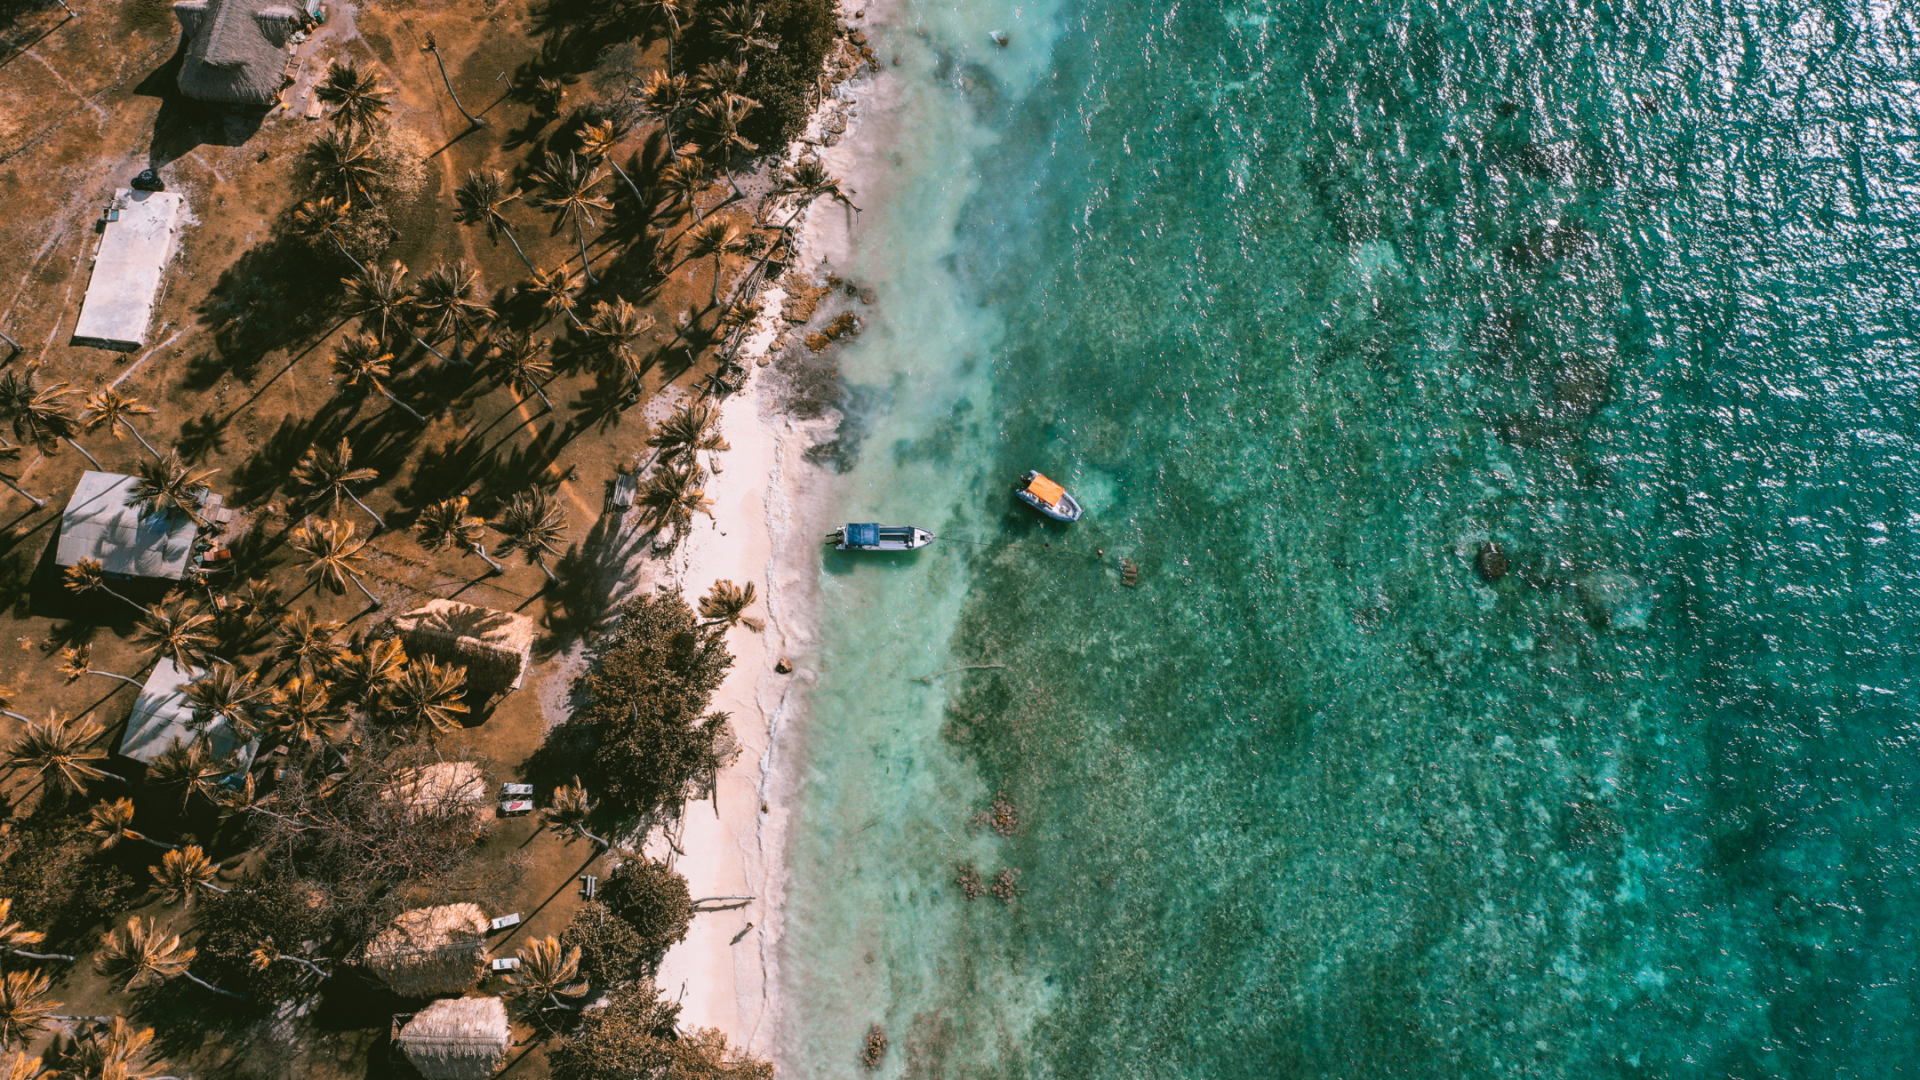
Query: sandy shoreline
[770, 508]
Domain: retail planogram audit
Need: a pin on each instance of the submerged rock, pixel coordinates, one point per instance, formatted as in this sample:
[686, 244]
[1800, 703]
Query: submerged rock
[1491, 562]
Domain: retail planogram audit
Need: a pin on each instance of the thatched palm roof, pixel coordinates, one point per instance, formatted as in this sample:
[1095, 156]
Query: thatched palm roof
[428, 951]
[495, 646]
[446, 787]
[458, 1039]
[236, 49]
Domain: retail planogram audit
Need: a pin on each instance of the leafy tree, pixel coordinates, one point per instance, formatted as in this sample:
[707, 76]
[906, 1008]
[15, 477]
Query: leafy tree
[626, 1038]
[652, 899]
[645, 698]
[277, 908]
[612, 952]
[50, 876]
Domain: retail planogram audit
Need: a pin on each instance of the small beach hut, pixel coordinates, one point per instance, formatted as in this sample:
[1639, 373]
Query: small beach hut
[236, 49]
[105, 520]
[429, 951]
[446, 787]
[162, 717]
[458, 1039]
[496, 647]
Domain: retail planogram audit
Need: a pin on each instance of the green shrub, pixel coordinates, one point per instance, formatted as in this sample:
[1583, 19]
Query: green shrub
[58, 883]
[654, 901]
[612, 952]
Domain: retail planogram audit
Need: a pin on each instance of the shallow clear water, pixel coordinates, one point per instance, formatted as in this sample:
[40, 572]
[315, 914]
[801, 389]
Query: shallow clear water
[1309, 302]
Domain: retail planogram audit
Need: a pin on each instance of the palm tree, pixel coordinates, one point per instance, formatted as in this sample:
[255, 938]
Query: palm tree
[567, 187]
[738, 25]
[14, 934]
[483, 197]
[141, 955]
[267, 954]
[25, 1011]
[384, 292]
[598, 142]
[39, 415]
[180, 871]
[809, 179]
[176, 628]
[547, 972]
[359, 98]
[301, 711]
[554, 288]
[76, 662]
[619, 328]
[327, 217]
[663, 95]
[429, 694]
[719, 120]
[686, 178]
[432, 47]
[86, 575]
[18, 1066]
[112, 822]
[330, 474]
[362, 361]
[571, 812]
[370, 667]
[673, 497]
[673, 15]
[170, 484]
[522, 366]
[58, 751]
[690, 429]
[12, 453]
[309, 643]
[447, 298]
[113, 410]
[111, 1050]
[725, 605]
[194, 769]
[719, 238]
[536, 526]
[345, 161]
[226, 694]
[447, 525]
[718, 77]
[331, 553]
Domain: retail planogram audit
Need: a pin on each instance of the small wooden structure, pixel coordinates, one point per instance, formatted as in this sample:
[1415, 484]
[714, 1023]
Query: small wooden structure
[429, 951]
[457, 1039]
[496, 647]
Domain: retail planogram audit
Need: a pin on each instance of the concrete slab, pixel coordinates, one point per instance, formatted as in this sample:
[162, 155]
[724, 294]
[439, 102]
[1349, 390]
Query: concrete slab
[126, 273]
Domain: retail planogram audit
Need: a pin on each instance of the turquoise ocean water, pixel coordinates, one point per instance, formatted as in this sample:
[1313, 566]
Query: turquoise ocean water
[1310, 302]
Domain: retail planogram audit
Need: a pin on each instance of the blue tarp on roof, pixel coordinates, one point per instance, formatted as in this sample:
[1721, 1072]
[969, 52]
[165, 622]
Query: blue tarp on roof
[863, 535]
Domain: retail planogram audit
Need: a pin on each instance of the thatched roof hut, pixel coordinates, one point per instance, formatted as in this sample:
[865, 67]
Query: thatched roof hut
[236, 49]
[458, 1039]
[429, 951]
[444, 788]
[496, 647]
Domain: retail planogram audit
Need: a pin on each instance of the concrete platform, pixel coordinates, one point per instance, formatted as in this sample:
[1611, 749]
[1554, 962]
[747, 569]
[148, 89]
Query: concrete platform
[126, 273]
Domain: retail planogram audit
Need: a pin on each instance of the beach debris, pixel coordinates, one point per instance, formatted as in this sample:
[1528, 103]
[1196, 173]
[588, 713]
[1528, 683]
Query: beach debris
[845, 325]
[1007, 885]
[783, 666]
[1491, 562]
[998, 37]
[875, 1051]
[969, 881]
[1129, 573]
[744, 931]
[1002, 817]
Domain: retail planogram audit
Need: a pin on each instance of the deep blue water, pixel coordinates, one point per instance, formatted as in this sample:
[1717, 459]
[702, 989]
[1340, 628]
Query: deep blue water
[1312, 302]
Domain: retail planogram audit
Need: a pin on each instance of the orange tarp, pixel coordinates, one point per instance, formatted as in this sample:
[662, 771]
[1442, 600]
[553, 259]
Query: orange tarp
[1045, 490]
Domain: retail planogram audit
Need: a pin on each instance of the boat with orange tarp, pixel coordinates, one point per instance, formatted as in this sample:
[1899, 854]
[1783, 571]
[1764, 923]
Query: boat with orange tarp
[1048, 497]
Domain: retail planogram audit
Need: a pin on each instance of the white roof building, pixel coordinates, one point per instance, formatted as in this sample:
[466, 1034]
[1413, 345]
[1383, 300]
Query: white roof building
[135, 246]
[162, 716]
[105, 521]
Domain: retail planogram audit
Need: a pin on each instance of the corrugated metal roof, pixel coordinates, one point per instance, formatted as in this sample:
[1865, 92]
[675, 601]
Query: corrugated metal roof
[162, 716]
[104, 521]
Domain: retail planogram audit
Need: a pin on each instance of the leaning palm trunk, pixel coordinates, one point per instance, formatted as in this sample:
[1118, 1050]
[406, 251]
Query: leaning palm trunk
[83, 452]
[580, 230]
[36, 500]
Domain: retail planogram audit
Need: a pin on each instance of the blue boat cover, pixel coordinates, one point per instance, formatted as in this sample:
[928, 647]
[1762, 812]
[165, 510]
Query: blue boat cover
[862, 535]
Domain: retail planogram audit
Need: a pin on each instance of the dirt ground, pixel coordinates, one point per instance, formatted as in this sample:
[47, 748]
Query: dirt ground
[237, 363]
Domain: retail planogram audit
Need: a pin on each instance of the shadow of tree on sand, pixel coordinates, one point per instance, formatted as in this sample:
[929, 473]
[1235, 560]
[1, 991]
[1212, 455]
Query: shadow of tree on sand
[595, 578]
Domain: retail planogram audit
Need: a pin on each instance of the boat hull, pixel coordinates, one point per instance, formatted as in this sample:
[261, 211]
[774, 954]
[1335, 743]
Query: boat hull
[1065, 510]
[880, 538]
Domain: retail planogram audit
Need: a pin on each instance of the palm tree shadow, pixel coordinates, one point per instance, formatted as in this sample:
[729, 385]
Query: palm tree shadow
[595, 578]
